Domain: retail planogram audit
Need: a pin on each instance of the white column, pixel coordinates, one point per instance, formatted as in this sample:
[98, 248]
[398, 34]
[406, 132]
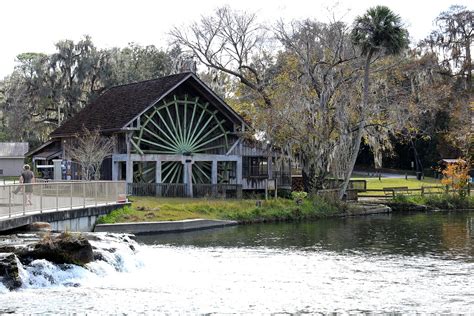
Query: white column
[214, 172]
[115, 170]
[188, 176]
[129, 162]
[57, 169]
[239, 170]
[214, 178]
[270, 167]
[129, 174]
[158, 171]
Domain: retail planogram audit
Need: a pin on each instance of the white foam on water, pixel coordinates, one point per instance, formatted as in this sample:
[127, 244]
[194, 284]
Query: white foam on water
[193, 280]
[117, 255]
[3, 289]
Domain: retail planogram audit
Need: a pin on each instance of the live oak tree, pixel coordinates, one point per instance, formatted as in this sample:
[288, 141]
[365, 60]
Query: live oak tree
[452, 42]
[44, 90]
[313, 103]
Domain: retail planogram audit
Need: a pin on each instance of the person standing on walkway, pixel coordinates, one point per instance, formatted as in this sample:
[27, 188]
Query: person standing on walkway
[27, 177]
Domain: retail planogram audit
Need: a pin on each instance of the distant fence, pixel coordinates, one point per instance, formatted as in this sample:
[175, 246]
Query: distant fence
[23, 199]
[333, 194]
[221, 190]
[356, 191]
[356, 185]
[391, 192]
[331, 184]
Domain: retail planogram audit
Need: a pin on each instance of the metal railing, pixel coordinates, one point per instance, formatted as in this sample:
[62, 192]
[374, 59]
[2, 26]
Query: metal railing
[220, 190]
[31, 198]
[157, 189]
[283, 179]
[357, 185]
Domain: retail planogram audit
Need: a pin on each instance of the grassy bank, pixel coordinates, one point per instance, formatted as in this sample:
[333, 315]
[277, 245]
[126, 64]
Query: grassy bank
[149, 209]
[443, 201]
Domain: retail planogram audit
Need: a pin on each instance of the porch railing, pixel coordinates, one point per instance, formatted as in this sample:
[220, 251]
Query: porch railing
[157, 189]
[230, 191]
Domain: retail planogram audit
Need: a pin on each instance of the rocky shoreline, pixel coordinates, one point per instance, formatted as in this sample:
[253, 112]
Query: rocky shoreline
[64, 249]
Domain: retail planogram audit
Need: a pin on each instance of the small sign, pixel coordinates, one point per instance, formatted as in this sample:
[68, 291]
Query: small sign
[121, 198]
[271, 185]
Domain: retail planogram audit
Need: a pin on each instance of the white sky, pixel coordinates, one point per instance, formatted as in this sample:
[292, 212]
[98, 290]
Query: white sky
[35, 25]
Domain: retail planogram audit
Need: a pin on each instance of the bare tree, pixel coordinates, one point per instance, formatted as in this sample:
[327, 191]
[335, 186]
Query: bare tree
[232, 42]
[89, 149]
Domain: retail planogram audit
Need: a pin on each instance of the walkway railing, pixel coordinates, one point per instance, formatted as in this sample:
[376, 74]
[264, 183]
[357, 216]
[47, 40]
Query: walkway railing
[24, 199]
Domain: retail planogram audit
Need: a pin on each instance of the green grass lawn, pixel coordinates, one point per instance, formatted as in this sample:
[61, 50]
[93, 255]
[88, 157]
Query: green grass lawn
[150, 209]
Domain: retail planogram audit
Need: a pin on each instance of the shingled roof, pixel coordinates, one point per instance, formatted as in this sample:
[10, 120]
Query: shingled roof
[119, 105]
[13, 150]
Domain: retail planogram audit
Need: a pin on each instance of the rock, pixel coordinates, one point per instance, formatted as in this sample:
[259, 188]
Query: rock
[39, 227]
[64, 248]
[9, 271]
[98, 256]
[7, 248]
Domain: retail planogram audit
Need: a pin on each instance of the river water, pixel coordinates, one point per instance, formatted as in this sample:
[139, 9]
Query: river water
[380, 264]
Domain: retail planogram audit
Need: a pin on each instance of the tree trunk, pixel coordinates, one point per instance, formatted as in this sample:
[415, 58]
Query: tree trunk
[418, 164]
[468, 66]
[360, 130]
[307, 181]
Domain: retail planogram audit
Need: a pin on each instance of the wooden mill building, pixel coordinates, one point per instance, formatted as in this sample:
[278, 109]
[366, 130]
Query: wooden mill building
[172, 130]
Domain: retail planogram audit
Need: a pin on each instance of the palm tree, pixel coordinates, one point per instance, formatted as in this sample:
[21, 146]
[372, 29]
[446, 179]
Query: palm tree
[378, 31]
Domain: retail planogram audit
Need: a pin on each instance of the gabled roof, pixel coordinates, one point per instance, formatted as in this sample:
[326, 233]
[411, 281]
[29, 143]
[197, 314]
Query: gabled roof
[13, 150]
[50, 144]
[120, 105]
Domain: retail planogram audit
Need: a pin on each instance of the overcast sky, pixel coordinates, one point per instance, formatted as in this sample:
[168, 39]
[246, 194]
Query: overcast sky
[35, 25]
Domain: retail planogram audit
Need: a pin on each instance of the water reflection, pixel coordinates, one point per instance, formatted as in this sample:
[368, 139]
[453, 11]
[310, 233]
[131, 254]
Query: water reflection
[444, 235]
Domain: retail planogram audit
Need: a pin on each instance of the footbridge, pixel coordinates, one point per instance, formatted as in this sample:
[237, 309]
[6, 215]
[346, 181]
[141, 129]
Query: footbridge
[66, 205]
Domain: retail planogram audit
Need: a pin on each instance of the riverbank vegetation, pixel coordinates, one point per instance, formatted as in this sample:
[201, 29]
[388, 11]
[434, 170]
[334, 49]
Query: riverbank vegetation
[149, 209]
[442, 201]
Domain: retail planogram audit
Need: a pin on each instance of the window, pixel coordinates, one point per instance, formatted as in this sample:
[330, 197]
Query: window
[256, 167]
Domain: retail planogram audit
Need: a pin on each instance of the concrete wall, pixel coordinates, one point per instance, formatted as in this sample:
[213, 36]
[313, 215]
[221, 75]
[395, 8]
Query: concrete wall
[79, 224]
[11, 166]
[72, 220]
[163, 227]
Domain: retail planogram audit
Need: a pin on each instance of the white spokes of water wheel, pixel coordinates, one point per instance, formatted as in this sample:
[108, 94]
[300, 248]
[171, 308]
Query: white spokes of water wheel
[181, 127]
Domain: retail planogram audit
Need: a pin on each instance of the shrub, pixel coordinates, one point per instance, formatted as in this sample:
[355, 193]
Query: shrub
[457, 176]
[298, 196]
[443, 201]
